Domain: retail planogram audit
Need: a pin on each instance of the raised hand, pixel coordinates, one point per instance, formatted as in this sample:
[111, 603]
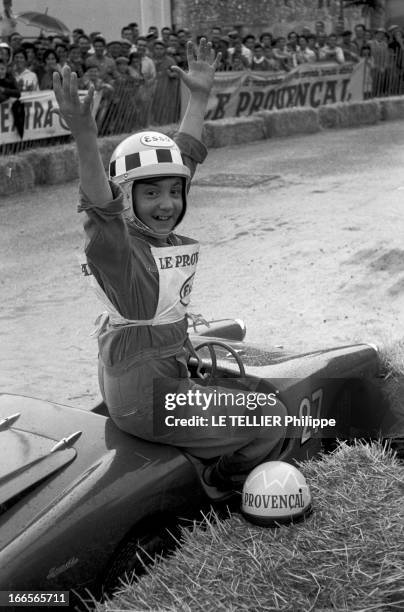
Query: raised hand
[201, 69]
[76, 113]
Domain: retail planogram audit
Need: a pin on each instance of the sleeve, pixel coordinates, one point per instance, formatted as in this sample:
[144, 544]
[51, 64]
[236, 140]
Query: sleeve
[114, 259]
[340, 56]
[193, 151]
[106, 232]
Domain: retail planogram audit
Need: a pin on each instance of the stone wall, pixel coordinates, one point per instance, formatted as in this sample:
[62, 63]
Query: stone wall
[276, 16]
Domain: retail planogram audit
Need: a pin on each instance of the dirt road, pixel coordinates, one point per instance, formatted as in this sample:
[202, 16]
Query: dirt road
[301, 237]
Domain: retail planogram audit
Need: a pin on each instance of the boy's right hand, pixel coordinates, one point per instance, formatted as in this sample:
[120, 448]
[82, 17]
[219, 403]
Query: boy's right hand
[76, 114]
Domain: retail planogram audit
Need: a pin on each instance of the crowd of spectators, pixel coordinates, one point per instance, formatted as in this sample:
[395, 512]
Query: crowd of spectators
[137, 86]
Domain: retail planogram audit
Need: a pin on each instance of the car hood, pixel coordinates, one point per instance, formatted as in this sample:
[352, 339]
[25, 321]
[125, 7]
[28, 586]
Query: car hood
[37, 468]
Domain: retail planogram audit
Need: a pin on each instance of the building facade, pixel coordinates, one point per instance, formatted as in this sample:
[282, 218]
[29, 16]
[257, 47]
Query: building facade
[275, 16]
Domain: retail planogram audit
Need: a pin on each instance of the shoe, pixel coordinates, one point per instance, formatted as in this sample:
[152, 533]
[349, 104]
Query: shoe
[214, 478]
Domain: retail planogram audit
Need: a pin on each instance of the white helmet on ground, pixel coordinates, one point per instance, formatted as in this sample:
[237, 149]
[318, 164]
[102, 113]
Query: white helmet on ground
[275, 492]
[145, 155]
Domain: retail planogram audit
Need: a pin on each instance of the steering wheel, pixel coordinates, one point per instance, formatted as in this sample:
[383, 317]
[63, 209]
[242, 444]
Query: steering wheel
[209, 344]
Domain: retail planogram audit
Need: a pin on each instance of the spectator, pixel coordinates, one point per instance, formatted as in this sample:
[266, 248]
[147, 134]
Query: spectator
[259, 61]
[45, 72]
[15, 41]
[380, 55]
[312, 45]
[305, 55]
[215, 37]
[121, 115]
[105, 90]
[292, 42]
[135, 67]
[249, 42]
[321, 41]
[127, 33]
[94, 35]
[41, 45]
[148, 67]
[319, 29]
[237, 47]
[266, 39]
[153, 31]
[223, 61]
[331, 52]
[7, 57]
[9, 89]
[32, 60]
[84, 46]
[181, 55]
[271, 61]
[165, 35]
[349, 48]
[26, 79]
[62, 54]
[282, 54]
[135, 31]
[142, 96]
[113, 49]
[166, 100]
[359, 39]
[8, 84]
[126, 47]
[74, 60]
[366, 53]
[106, 65]
[238, 62]
[77, 32]
[396, 50]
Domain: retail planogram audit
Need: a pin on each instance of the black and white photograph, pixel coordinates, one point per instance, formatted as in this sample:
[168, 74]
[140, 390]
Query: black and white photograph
[202, 290]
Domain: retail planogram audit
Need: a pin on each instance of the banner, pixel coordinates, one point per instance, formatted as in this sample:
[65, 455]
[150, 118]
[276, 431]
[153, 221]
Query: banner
[239, 94]
[40, 121]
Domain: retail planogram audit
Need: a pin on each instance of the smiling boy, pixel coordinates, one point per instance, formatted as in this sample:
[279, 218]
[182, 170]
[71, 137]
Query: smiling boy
[132, 252]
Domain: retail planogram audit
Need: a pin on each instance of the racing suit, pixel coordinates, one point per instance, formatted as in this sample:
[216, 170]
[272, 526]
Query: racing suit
[145, 284]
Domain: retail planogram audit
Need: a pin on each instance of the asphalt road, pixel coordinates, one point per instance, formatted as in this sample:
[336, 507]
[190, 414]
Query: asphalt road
[302, 237]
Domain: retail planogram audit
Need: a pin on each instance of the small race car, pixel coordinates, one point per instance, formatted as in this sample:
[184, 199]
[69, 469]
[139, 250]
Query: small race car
[83, 503]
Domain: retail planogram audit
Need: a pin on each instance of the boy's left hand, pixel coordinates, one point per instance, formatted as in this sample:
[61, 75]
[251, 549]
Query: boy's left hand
[201, 71]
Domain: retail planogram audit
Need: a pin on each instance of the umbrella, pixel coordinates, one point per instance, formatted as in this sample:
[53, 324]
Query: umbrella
[43, 21]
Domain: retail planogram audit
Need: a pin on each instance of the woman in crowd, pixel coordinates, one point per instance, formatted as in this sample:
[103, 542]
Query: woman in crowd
[46, 71]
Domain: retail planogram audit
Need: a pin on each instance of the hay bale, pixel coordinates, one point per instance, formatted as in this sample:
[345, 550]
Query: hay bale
[392, 109]
[16, 174]
[232, 131]
[350, 114]
[290, 121]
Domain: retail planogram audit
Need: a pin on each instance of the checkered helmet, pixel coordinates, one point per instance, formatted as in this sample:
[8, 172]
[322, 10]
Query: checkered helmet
[146, 155]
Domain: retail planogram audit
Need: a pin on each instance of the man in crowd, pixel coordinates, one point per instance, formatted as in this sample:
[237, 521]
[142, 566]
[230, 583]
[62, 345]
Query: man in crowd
[331, 52]
[351, 51]
[106, 65]
[360, 38]
[26, 79]
[84, 46]
[380, 55]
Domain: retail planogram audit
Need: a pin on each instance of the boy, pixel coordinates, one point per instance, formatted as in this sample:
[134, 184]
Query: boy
[130, 244]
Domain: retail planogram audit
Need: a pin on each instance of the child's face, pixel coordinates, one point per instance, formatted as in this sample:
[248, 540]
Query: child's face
[158, 202]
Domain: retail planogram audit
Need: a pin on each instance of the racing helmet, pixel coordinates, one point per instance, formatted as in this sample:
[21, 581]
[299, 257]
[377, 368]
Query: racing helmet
[274, 493]
[146, 155]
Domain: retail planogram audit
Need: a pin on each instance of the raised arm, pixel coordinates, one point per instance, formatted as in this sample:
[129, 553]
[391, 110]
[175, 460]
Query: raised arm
[78, 118]
[199, 80]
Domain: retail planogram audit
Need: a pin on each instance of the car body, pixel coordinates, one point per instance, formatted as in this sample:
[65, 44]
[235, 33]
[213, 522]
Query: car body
[77, 495]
